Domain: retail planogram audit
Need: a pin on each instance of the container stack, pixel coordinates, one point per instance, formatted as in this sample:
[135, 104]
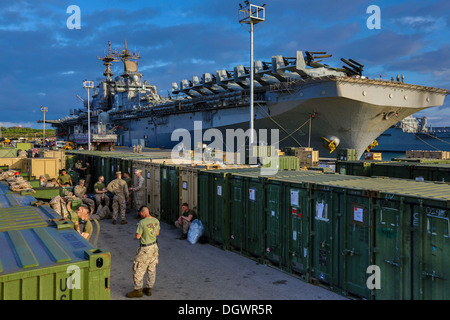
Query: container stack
[328, 228]
[42, 257]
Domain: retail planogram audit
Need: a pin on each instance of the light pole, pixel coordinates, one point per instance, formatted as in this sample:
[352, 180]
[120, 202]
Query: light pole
[89, 85]
[44, 110]
[250, 14]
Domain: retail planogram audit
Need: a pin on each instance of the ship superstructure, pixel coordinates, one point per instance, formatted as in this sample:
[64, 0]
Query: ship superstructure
[309, 102]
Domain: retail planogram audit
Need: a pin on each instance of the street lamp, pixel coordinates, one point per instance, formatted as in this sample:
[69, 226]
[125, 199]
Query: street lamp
[250, 14]
[89, 85]
[44, 110]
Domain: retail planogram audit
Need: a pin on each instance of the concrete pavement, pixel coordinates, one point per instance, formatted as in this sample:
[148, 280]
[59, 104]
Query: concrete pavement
[200, 271]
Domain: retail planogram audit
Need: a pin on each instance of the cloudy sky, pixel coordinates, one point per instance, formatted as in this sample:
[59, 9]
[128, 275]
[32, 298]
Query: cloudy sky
[43, 62]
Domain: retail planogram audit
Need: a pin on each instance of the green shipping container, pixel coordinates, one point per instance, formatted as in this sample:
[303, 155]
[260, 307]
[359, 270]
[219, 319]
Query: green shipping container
[213, 211]
[398, 229]
[24, 146]
[8, 153]
[346, 154]
[247, 220]
[282, 163]
[170, 206]
[46, 259]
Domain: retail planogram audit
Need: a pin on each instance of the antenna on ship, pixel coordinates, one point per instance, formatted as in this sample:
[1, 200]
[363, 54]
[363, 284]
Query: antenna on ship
[126, 56]
[251, 14]
[108, 60]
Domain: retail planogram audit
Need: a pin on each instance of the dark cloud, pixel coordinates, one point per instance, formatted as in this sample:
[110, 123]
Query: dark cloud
[43, 62]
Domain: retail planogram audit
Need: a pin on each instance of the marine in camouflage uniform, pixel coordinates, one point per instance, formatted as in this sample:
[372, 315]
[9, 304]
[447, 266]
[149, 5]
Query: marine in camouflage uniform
[59, 205]
[120, 190]
[138, 190]
[103, 212]
[100, 193]
[146, 257]
[128, 180]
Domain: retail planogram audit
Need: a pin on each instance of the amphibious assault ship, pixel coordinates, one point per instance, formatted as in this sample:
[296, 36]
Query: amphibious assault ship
[311, 103]
[413, 134]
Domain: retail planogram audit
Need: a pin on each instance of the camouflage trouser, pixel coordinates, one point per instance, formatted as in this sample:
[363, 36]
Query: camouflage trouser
[138, 200]
[89, 202]
[119, 203]
[59, 205]
[145, 260]
[102, 213]
[98, 200]
[184, 227]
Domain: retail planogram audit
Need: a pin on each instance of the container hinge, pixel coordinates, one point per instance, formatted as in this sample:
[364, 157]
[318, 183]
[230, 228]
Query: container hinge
[395, 264]
[351, 252]
[433, 275]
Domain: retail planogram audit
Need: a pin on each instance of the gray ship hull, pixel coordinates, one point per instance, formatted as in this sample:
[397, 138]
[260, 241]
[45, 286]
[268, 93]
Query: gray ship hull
[307, 102]
[356, 111]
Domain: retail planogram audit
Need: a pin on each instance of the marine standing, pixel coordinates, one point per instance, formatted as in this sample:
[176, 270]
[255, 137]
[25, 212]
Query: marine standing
[120, 190]
[146, 257]
[138, 190]
[128, 180]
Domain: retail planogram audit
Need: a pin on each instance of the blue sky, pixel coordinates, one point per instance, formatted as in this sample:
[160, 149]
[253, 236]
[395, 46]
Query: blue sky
[42, 62]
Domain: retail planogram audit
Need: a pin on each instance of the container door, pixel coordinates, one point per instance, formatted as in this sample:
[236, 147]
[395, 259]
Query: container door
[155, 191]
[218, 197]
[322, 235]
[204, 203]
[165, 196]
[297, 202]
[254, 218]
[388, 254]
[188, 187]
[356, 246]
[236, 214]
[435, 257]
[174, 205]
[274, 224]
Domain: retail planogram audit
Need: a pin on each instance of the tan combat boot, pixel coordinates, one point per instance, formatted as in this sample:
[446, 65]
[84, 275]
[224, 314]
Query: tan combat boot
[134, 294]
[148, 291]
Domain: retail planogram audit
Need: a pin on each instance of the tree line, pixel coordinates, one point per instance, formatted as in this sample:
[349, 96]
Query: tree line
[29, 133]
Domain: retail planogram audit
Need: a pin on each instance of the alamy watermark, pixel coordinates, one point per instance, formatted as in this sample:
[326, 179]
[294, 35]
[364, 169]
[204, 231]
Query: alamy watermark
[74, 20]
[70, 283]
[235, 153]
[374, 21]
[374, 280]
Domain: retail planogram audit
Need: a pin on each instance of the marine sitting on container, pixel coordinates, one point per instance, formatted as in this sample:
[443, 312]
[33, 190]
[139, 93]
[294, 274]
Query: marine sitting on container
[80, 192]
[100, 192]
[146, 257]
[83, 214]
[64, 179]
[185, 219]
[121, 195]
